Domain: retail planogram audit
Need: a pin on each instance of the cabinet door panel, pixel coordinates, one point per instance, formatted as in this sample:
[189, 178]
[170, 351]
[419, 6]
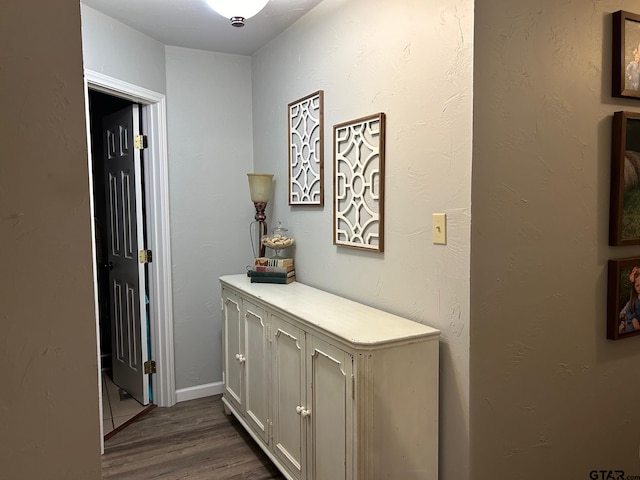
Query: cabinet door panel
[330, 391]
[232, 348]
[256, 372]
[288, 381]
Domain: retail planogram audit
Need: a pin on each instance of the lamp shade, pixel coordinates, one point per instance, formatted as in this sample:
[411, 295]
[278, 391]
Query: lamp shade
[260, 186]
[237, 8]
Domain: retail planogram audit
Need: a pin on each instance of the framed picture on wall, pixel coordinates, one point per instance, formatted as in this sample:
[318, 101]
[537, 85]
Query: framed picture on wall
[623, 298]
[624, 215]
[358, 183]
[306, 150]
[625, 58]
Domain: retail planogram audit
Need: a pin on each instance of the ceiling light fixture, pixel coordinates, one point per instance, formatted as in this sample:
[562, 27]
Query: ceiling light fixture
[237, 10]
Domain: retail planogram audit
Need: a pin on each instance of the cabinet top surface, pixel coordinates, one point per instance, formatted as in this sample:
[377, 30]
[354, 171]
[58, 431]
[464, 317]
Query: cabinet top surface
[357, 323]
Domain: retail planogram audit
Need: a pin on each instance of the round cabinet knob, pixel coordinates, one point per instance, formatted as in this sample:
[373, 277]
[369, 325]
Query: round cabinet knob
[241, 358]
[300, 410]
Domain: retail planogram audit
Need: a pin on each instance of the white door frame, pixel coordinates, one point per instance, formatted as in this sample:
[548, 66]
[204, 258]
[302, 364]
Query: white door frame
[157, 228]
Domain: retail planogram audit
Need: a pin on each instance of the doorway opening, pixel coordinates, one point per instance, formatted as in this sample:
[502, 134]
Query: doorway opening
[123, 397]
[156, 200]
[100, 105]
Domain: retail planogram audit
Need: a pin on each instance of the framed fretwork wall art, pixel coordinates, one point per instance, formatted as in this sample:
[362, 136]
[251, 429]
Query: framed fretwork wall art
[306, 150]
[358, 183]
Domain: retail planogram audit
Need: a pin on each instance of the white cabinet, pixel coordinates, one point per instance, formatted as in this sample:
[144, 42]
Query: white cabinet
[313, 404]
[246, 353]
[289, 396]
[330, 401]
[329, 388]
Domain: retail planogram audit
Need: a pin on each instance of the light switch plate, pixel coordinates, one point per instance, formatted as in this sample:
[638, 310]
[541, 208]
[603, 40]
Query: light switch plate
[440, 228]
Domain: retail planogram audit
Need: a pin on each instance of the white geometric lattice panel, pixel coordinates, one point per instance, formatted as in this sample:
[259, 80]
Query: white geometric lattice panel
[358, 183]
[306, 150]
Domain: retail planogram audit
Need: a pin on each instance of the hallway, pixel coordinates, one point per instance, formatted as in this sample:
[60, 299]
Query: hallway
[192, 439]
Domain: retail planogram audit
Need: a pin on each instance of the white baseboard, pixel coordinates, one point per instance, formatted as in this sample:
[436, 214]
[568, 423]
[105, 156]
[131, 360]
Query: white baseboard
[199, 391]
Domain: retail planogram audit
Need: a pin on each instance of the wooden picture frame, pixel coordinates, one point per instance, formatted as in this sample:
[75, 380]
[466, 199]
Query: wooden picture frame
[624, 215]
[625, 58]
[358, 183]
[623, 316]
[306, 150]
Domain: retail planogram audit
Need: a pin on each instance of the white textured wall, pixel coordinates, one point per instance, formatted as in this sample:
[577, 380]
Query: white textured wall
[114, 49]
[210, 152]
[413, 61]
[551, 397]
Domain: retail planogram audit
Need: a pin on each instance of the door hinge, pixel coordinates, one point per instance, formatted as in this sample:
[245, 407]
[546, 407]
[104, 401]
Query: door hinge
[149, 367]
[140, 142]
[145, 256]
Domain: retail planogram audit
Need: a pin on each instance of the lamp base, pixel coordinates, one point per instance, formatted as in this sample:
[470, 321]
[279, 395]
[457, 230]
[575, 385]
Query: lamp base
[261, 218]
[262, 231]
[260, 208]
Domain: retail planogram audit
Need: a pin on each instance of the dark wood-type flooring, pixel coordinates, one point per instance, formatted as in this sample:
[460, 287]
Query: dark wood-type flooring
[193, 440]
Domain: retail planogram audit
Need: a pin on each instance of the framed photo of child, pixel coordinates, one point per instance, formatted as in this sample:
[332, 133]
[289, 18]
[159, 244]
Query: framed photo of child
[623, 298]
[625, 59]
[624, 213]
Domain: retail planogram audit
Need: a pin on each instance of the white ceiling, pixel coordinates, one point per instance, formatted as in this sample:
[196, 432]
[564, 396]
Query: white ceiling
[192, 23]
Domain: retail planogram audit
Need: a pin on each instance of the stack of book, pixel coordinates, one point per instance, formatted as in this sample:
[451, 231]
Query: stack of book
[272, 270]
